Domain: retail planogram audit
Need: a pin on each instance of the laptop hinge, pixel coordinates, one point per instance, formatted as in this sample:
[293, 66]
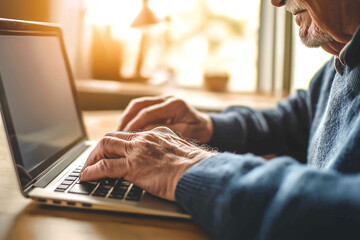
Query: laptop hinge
[54, 170]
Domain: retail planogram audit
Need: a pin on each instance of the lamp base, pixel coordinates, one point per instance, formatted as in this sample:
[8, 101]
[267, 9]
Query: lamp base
[216, 82]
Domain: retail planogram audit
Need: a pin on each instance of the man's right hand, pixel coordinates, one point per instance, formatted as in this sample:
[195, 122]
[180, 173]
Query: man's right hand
[150, 112]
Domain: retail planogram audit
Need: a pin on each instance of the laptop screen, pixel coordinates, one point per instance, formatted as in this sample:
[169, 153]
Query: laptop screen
[40, 99]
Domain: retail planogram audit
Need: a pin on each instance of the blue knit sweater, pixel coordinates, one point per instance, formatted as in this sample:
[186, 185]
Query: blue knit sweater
[312, 190]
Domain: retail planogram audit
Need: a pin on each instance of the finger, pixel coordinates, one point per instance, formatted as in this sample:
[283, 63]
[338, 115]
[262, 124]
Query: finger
[112, 168]
[156, 114]
[108, 147]
[136, 105]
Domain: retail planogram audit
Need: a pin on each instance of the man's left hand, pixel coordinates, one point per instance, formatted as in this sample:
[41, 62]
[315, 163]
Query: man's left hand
[153, 160]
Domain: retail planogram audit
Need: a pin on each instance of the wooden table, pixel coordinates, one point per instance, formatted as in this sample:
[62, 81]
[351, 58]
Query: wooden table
[21, 218]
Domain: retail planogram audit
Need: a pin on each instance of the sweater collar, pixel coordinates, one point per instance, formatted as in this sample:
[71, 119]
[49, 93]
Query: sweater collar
[350, 54]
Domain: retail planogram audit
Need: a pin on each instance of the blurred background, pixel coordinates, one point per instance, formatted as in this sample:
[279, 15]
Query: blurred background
[206, 51]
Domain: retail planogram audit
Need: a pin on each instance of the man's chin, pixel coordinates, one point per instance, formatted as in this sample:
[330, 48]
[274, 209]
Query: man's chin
[314, 38]
[310, 43]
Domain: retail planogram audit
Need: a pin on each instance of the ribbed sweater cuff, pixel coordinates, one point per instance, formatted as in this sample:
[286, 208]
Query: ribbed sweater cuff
[198, 187]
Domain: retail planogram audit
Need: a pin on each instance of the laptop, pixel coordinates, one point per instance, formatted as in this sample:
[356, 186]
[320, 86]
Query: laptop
[45, 130]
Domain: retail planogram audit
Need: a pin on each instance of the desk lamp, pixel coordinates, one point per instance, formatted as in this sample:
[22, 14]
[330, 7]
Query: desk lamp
[145, 18]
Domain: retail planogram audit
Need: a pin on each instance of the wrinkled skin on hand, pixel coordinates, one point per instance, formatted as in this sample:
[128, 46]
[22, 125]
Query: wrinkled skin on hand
[150, 112]
[153, 160]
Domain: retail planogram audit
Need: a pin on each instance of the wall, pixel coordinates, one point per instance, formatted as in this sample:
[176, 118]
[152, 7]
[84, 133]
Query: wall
[67, 13]
[26, 10]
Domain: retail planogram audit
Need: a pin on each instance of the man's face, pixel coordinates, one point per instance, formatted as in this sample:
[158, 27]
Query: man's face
[311, 35]
[327, 23]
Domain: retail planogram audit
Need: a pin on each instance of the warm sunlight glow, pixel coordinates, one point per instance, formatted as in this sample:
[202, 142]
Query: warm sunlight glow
[194, 39]
[112, 12]
[163, 8]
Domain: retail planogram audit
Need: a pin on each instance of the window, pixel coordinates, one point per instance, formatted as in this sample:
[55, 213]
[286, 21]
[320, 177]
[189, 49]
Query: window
[197, 40]
[250, 42]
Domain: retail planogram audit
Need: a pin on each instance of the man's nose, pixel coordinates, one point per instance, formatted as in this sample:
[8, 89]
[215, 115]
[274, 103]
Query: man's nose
[278, 3]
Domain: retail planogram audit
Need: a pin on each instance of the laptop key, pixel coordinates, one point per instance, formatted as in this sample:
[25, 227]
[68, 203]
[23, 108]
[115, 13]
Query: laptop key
[89, 182]
[135, 189]
[117, 195]
[133, 198]
[105, 187]
[100, 193]
[134, 194]
[59, 190]
[71, 178]
[62, 187]
[120, 188]
[73, 174]
[83, 188]
[67, 182]
[108, 181]
[123, 183]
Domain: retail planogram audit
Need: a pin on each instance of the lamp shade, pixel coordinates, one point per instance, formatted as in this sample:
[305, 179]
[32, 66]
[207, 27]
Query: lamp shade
[145, 17]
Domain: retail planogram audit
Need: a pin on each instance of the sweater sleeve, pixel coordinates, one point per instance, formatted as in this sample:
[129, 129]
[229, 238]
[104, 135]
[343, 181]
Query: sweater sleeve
[244, 197]
[283, 130]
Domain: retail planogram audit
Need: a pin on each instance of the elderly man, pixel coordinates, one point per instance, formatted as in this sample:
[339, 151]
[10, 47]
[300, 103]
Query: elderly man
[311, 191]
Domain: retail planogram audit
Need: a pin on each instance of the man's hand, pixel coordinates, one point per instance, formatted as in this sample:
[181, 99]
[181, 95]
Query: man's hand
[150, 112]
[154, 160]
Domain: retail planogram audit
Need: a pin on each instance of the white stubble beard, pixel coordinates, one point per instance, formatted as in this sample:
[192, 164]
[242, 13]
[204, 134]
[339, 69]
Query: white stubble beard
[315, 36]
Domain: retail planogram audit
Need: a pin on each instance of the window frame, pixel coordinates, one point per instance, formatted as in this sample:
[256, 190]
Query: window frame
[275, 51]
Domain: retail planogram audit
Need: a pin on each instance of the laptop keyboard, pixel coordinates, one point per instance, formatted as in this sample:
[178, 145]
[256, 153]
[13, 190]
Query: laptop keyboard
[105, 188]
